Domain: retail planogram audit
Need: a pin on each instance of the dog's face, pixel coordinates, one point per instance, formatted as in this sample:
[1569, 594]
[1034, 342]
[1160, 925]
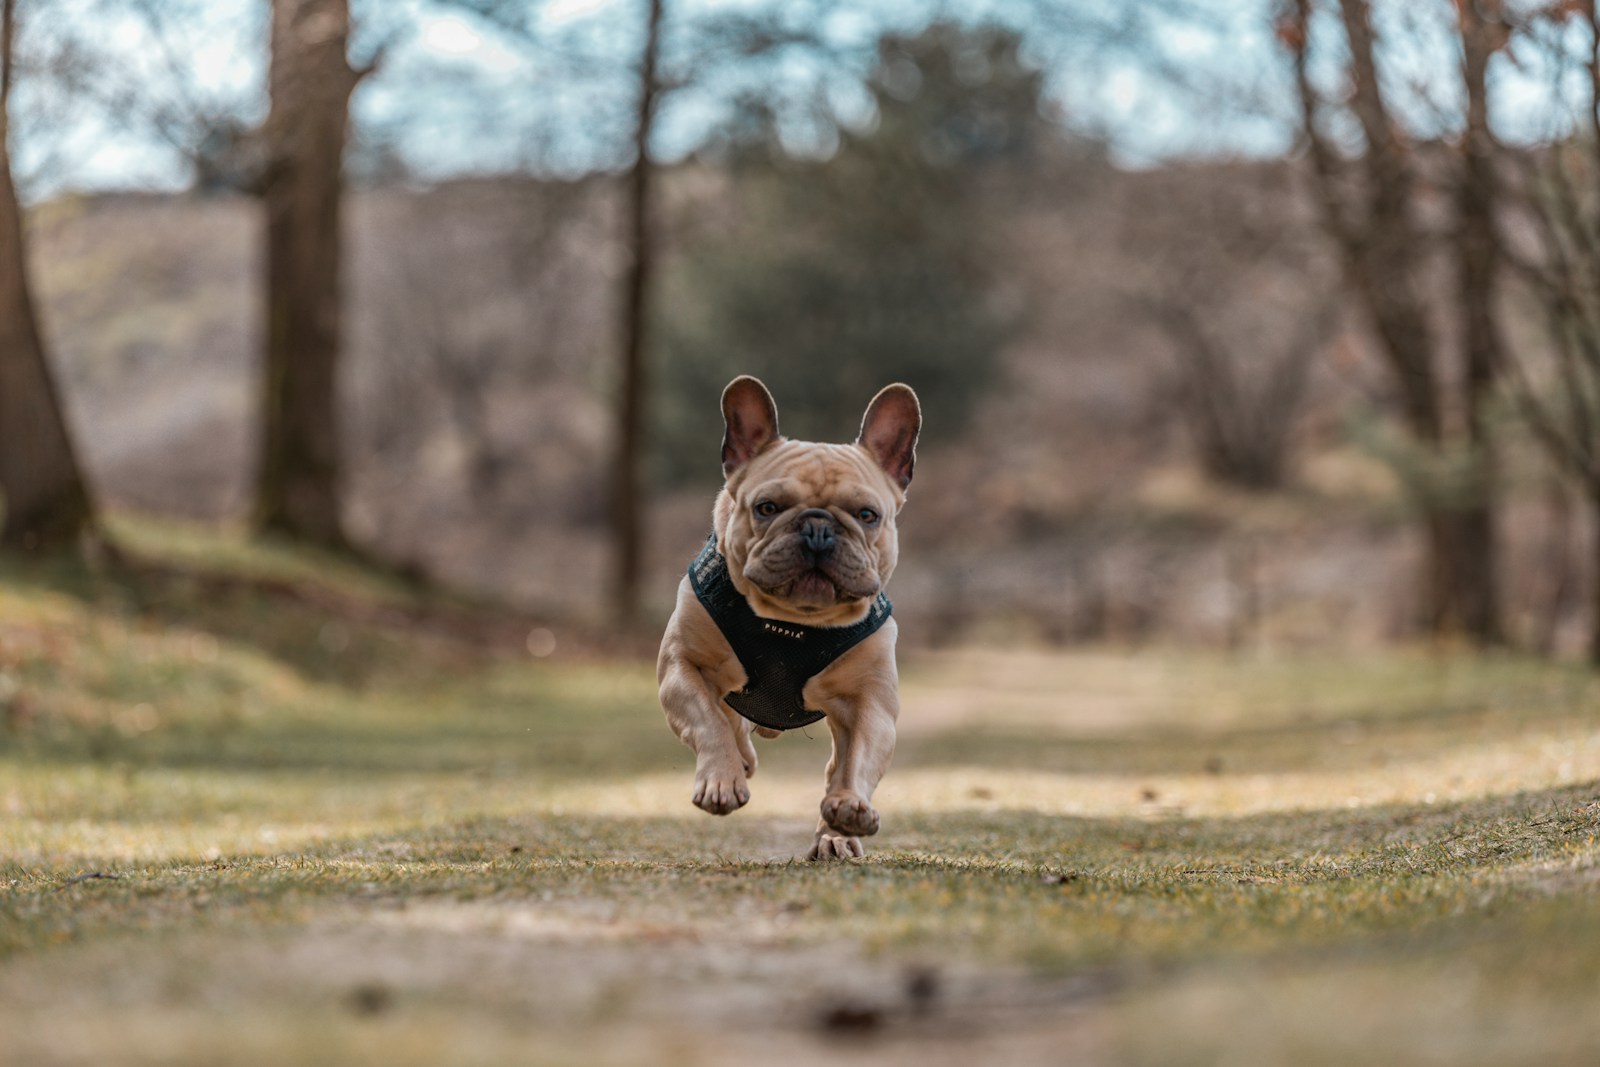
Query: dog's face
[809, 529]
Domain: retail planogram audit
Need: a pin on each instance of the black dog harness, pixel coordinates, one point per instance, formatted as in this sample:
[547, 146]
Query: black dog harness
[778, 657]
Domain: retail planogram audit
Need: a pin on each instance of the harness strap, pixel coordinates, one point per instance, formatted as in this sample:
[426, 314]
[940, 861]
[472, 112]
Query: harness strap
[778, 657]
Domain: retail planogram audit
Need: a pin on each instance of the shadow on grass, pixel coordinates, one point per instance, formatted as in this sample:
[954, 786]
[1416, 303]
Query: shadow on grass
[1311, 744]
[472, 750]
[477, 714]
[538, 733]
[323, 633]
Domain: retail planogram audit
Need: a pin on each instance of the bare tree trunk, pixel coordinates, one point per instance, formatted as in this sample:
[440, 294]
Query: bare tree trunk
[42, 491]
[1477, 284]
[1554, 201]
[298, 478]
[1594, 579]
[1383, 252]
[627, 483]
[1558, 550]
[1387, 252]
[1445, 552]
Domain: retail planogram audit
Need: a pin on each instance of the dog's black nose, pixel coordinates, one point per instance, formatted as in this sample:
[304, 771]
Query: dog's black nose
[816, 531]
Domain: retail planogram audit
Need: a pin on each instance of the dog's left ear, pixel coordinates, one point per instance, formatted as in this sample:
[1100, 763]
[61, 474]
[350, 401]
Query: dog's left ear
[889, 431]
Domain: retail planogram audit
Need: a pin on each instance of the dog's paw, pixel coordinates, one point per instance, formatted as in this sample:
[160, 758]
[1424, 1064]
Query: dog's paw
[769, 734]
[720, 792]
[850, 814]
[832, 846]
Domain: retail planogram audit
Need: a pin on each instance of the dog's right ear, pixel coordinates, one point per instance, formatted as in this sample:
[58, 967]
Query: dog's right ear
[751, 419]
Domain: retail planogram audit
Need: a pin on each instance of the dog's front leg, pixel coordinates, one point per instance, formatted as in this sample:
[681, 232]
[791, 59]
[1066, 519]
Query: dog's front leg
[863, 745]
[724, 755]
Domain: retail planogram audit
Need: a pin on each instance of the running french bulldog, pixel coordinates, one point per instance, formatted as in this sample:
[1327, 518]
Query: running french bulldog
[782, 619]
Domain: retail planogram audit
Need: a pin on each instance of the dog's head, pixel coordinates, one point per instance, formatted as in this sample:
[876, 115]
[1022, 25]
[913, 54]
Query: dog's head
[809, 529]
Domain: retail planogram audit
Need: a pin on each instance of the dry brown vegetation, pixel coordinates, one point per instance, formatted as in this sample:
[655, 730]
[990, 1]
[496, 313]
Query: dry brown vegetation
[1074, 508]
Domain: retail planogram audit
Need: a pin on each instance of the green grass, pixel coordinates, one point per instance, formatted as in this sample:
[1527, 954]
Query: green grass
[331, 830]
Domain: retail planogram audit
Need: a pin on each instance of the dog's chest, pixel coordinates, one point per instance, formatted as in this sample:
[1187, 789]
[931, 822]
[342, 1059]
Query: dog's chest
[777, 658]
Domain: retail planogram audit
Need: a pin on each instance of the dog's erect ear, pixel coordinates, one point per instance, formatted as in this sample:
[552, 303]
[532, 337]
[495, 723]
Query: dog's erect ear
[889, 431]
[752, 421]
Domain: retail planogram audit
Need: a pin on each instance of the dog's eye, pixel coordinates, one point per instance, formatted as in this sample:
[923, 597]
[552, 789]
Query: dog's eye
[868, 516]
[766, 509]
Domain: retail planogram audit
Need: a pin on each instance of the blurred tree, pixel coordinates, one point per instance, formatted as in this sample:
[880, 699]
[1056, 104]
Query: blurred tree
[42, 492]
[1235, 277]
[145, 78]
[711, 45]
[1556, 386]
[310, 81]
[294, 162]
[627, 483]
[839, 275]
[214, 131]
[1370, 210]
[506, 255]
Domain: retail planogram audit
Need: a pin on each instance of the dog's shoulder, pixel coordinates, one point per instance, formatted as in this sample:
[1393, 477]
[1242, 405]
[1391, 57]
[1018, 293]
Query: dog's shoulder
[692, 636]
[866, 670]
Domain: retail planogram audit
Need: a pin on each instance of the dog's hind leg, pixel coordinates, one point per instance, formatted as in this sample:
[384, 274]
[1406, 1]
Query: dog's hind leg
[829, 844]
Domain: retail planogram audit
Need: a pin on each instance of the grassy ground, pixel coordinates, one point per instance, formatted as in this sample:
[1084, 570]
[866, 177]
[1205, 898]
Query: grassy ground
[259, 808]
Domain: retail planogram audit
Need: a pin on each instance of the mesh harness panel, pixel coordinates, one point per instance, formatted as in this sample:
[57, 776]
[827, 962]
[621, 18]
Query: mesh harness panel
[778, 658]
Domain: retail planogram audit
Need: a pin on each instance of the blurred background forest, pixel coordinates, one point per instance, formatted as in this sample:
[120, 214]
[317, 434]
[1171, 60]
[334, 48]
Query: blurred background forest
[1246, 323]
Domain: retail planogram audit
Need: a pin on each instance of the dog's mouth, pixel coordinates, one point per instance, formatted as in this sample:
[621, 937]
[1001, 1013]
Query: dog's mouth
[813, 586]
[815, 589]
